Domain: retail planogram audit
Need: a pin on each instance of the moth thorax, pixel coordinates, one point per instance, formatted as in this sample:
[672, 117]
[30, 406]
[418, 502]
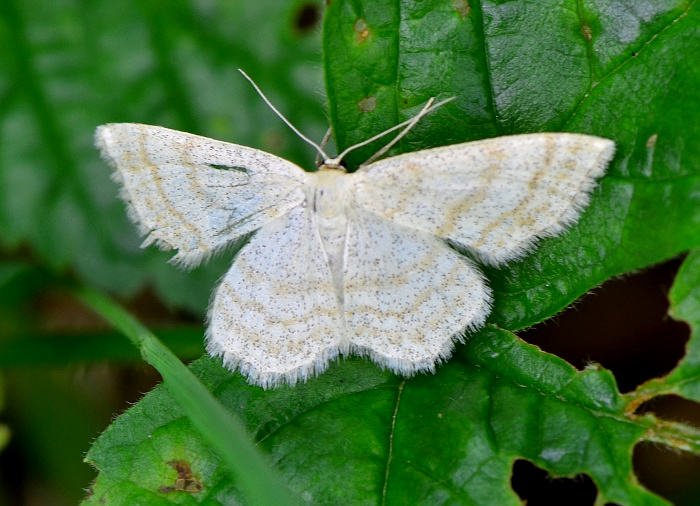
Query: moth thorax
[329, 193]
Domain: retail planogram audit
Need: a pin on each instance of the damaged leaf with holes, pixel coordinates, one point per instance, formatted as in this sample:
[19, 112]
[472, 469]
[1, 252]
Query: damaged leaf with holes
[356, 434]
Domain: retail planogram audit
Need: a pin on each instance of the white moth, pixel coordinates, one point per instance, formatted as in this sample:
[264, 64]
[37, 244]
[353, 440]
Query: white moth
[349, 262]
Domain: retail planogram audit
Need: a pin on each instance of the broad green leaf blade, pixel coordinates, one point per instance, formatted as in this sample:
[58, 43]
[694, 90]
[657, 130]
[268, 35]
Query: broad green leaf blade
[384, 60]
[67, 67]
[355, 435]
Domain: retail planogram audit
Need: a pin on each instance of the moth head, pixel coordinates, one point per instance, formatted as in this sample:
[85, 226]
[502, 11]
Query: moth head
[333, 164]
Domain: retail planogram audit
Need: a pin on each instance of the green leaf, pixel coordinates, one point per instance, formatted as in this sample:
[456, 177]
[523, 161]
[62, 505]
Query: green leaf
[355, 435]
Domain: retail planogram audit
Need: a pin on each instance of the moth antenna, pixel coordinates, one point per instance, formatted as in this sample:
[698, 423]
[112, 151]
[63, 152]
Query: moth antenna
[288, 123]
[324, 141]
[408, 124]
[403, 132]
